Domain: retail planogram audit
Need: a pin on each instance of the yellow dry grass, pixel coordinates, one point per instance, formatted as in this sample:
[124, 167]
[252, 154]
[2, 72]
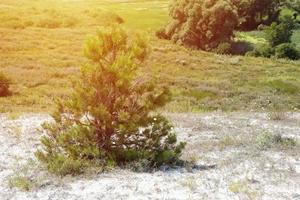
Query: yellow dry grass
[41, 44]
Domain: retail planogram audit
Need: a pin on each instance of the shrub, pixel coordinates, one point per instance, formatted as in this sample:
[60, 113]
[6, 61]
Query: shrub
[287, 50]
[262, 51]
[279, 38]
[201, 23]
[293, 5]
[109, 118]
[4, 85]
[280, 33]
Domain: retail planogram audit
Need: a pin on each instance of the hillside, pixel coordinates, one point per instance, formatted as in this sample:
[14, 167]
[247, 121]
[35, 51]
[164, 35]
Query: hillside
[41, 51]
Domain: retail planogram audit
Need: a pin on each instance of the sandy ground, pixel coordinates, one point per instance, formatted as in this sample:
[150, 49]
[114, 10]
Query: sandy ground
[228, 168]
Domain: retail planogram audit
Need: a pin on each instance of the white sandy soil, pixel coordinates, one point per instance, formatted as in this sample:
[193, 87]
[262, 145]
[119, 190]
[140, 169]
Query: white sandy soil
[227, 169]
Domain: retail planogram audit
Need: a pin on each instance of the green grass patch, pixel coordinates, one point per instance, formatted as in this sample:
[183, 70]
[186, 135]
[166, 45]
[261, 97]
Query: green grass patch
[283, 86]
[296, 38]
[199, 94]
[252, 37]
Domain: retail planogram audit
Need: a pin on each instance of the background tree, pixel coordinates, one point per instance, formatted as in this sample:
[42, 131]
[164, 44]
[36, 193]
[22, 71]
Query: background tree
[200, 23]
[293, 4]
[110, 119]
[253, 13]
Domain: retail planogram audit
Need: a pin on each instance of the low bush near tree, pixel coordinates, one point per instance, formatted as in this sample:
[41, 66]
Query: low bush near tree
[287, 50]
[262, 51]
[110, 117]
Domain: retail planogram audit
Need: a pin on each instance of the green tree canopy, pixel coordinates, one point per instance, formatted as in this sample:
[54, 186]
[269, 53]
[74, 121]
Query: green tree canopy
[201, 23]
[252, 13]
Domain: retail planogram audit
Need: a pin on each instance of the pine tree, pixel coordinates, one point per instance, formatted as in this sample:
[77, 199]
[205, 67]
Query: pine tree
[110, 116]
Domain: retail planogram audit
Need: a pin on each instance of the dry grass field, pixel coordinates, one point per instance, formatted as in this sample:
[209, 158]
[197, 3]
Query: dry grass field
[41, 50]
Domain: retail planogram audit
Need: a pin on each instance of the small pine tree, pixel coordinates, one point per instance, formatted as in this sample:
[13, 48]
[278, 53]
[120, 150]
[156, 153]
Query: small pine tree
[109, 117]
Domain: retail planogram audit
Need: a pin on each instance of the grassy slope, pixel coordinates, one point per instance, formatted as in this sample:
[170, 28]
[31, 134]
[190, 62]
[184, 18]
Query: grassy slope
[41, 50]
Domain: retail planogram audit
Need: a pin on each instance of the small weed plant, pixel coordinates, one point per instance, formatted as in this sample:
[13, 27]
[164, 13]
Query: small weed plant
[269, 140]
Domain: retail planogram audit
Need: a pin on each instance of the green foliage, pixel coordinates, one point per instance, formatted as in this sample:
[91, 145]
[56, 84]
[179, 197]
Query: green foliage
[280, 33]
[293, 4]
[283, 87]
[4, 85]
[200, 23]
[262, 51]
[109, 117]
[252, 13]
[62, 165]
[278, 36]
[268, 140]
[287, 50]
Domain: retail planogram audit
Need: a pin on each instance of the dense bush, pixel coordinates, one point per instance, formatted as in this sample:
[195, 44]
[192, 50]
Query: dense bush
[200, 23]
[280, 33]
[262, 51]
[4, 85]
[109, 119]
[293, 4]
[287, 50]
[278, 36]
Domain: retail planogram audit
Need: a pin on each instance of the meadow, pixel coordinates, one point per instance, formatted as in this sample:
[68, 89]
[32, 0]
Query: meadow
[41, 50]
[108, 151]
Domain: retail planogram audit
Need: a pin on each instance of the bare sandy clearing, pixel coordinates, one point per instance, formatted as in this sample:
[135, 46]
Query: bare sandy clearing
[224, 140]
